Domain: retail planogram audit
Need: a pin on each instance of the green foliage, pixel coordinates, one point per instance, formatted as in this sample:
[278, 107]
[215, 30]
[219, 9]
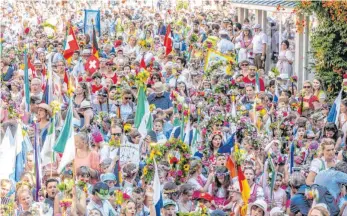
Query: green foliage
[329, 43]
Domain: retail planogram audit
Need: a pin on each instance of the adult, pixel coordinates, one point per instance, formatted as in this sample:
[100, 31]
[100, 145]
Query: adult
[251, 78]
[161, 98]
[325, 162]
[318, 90]
[285, 61]
[85, 156]
[259, 44]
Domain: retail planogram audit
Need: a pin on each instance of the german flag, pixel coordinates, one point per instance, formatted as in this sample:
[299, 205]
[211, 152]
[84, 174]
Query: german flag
[95, 44]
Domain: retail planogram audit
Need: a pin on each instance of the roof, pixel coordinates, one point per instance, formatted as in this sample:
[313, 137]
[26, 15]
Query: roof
[265, 3]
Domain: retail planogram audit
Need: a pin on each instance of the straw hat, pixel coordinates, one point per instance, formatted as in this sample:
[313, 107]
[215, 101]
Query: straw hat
[159, 87]
[46, 107]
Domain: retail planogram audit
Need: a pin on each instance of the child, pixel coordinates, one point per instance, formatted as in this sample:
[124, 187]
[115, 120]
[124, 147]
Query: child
[96, 84]
[279, 196]
[158, 129]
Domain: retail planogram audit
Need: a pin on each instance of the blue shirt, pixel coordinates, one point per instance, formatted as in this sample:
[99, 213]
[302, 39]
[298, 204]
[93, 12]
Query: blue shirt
[298, 202]
[163, 102]
[331, 179]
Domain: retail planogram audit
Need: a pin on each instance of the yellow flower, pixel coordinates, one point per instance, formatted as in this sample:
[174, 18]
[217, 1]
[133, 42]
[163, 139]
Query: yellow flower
[186, 167]
[184, 147]
[127, 127]
[145, 171]
[151, 107]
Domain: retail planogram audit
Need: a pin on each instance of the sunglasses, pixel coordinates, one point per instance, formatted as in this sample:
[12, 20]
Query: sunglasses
[116, 134]
[128, 98]
[245, 65]
[220, 174]
[219, 125]
[85, 175]
[307, 86]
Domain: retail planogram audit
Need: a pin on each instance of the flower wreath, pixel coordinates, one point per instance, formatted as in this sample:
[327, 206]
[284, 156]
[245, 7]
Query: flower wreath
[179, 167]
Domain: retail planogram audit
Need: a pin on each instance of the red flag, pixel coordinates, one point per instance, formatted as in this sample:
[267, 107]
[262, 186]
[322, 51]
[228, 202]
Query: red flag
[92, 64]
[31, 68]
[143, 63]
[231, 167]
[71, 44]
[168, 40]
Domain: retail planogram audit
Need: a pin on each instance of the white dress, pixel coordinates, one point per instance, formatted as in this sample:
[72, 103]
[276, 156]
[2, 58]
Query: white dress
[283, 65]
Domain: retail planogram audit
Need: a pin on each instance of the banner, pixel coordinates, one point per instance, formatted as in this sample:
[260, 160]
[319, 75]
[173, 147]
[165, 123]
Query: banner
[217, 62]
[92, 17]
[129, 153]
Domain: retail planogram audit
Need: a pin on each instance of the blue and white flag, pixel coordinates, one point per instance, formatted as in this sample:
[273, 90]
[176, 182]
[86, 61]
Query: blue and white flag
[92, 18]
[334, 112]
[157, 198]
[20, 154]
[276, 93]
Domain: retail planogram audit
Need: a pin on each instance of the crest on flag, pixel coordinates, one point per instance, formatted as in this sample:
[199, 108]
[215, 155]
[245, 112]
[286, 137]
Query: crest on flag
[92, 17]
[92, 64]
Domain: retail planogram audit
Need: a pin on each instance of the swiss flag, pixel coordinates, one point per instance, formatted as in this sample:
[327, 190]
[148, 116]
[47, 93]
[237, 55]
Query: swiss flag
[168, 41]
[92, 64]
[31, 68]
[71, 44]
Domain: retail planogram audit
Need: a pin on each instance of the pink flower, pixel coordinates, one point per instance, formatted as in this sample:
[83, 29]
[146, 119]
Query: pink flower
[179, 107]
[179, 173]
[185, 112]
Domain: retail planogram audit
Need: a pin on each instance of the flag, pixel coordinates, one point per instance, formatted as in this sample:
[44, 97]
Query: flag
[47, 154]
[92, 64]
[31, 68]
[334, 112]
[276, 93]
[231, 167]
[26, 83]
[244, 188]
[66, 143]
[157, 198]
[63, 136]
[141, 110]
[38, 169]
[48, 92]
[95, 44]
[71, 45]
[168, 41]
[143, 63]
[257, 82]
[292, 150]
[273, 175]
[92, 20]
[7, 154]
[20, 153]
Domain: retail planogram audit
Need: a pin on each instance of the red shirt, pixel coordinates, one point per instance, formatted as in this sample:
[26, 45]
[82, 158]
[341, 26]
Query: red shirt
[261, 82]
[114, 78]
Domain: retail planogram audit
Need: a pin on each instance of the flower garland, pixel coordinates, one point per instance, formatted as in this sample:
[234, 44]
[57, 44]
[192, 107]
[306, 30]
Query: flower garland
[179, 166]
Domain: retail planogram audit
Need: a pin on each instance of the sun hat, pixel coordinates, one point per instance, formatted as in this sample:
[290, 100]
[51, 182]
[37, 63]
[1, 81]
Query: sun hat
[256, 26]
[260, 203]
[108, 177]
[102, 190]
[46, 107]
[159, 87]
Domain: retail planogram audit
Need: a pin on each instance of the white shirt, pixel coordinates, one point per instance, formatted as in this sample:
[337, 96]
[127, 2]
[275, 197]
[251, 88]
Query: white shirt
[225, 46]
[258, 41]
